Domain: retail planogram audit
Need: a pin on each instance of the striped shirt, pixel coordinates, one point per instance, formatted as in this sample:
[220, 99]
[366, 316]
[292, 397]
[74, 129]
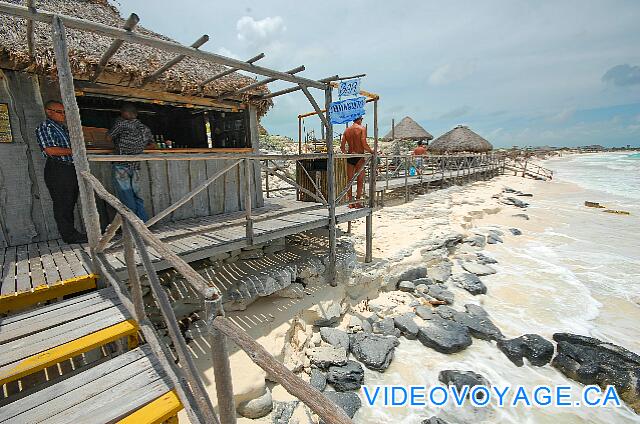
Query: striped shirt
[52, 134]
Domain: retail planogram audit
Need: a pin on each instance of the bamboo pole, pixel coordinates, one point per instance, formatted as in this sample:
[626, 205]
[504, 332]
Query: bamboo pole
[309, 395]
[65, 78]
[109, 233]
[129, 25]
[406, 179]
[368, 257]
[132, 271]
[258, 84]
[331, 185]
[220, 362]
[31, 44]
[173, 62]
[226, 72]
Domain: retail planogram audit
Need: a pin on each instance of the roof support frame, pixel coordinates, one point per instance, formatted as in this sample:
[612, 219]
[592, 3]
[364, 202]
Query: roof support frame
[136, 38]
[129, 25]
[173, 62]
[258, 84]
[227, 72]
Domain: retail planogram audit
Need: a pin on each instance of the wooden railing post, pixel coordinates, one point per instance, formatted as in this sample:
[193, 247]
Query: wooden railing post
[67, 92]
[247, 200]
[368, 257]
[406, 179]
[331, 189]
[132, 271]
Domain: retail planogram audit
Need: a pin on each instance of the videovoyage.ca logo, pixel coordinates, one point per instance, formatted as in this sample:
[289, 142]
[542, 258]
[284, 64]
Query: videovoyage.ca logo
[482, 396]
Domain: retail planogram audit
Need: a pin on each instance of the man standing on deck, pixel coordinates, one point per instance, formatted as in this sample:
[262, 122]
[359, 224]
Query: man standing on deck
[419, 153]
[354, 140]
[59, 171]
[130, 137]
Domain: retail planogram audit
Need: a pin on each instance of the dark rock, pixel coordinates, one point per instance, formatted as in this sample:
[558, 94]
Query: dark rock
[475, 319]
[522, 215]
[494, 239]
[406, 286]
[535, 348]
[256, 408]
[509, 190]
[470, 283]
[283, 411]
[325, 356]
[348, 401]
[434, 420]
[592, 361]
[477, 269]
[374, 351]
[425, 280]
[485, 260]
[515, 231]
[515, 202]
[495, 233]
[444, 336]
[413, 274]
[329, 316]
[385, 327]
[366, 326]
[459, 379]
[424, 312]
[477, 240]
[439, 292]
[524, 194]
[335, 337]
[406, 325]
[346, 377]
[318, 379]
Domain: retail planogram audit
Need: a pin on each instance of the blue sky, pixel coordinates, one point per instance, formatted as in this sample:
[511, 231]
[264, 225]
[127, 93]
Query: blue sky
[517, 72]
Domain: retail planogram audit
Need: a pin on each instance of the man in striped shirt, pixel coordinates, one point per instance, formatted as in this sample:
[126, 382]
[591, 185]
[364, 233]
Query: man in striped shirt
[59, 171]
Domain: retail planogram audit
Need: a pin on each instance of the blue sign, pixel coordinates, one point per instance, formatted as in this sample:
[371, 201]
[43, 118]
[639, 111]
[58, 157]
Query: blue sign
[344, 111]
[349, 88]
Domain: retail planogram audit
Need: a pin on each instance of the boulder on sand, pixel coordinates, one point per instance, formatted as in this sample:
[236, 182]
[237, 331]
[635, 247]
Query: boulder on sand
[592, 361]
[374, 351]
[469, 282]
[346, 377]
[335, 337]
[438, 292]
[478, 269]
[459, 379]
[444, 336]
[406, 325]
[475, 319]
[535, 348]
[348, 401]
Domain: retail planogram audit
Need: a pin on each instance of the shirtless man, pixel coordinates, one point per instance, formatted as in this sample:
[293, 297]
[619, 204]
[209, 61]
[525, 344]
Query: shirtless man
[354, 140]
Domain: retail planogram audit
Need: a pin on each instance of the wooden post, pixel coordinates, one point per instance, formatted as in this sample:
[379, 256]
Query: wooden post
[220, 361]
[331, 189]
[247, 200]
[368, 257]
[67, 91]
[386, 171]
[31, 44]
[406, 179]
[266, 178]
[132, 271]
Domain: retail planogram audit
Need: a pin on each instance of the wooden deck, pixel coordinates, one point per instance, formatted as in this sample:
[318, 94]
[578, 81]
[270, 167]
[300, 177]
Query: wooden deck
[399, 182]
[27, 267]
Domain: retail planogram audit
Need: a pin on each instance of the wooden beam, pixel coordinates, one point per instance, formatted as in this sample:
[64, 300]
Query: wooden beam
[31, 44]
[109, 233]
[331, 184]
[313, 102]
[293, 183]
[227, 72]
[173, 62]
[153, 96]
[129, 25]
[247, 200]
[147, 40]
[293, 89]
[277, 372]
[258, 84]
[305, 115]
[74, 124]
[368, 256]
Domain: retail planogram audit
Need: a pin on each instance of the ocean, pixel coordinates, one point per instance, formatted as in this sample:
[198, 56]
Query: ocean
[574, 269]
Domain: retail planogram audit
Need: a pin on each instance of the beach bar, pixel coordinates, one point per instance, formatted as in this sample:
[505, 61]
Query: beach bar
[204, 195]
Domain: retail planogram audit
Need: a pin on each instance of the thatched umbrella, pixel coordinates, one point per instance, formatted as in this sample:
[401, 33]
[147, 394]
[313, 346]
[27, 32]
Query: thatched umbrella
[408, 129]
[128, 67]
[460, 139]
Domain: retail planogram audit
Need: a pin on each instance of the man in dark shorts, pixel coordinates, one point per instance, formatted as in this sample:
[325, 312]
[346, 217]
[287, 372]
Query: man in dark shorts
[354, 140]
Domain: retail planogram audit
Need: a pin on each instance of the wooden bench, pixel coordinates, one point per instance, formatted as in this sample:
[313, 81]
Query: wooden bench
[32, 341]
[130, 388]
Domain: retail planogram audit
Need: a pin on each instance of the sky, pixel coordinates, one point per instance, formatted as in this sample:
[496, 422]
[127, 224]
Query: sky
[527, 73]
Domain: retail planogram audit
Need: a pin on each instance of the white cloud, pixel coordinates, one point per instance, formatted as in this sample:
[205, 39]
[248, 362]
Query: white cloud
[452, 72]
[228, 53]
[563, 116]
[259, 32]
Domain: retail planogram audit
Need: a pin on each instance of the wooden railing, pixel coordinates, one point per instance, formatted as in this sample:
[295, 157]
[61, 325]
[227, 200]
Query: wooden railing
[137, 238]
[525, 167]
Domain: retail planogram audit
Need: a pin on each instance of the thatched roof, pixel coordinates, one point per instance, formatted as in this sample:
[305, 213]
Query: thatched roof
[128, 67]
[460, 139]
[408, 129]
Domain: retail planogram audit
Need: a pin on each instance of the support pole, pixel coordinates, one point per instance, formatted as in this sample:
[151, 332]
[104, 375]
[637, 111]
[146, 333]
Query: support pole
[331, 188]
[406, 179]
[247, 200]
[221, 365]
[67, 91]
[368, 257]
[31, 44]
[113, 48]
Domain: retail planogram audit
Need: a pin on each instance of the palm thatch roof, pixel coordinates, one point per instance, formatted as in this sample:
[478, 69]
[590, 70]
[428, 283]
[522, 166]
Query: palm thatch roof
[128, 67]
[408, 129]
[460, 139]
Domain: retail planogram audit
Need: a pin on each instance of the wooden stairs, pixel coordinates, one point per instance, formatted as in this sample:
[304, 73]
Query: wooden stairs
[81, 360]
[528, 169]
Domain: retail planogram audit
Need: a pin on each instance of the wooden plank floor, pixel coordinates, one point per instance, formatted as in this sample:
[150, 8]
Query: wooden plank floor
[398, 182]
[23, 268]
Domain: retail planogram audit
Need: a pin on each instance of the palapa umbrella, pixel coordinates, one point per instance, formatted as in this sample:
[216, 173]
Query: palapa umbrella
[460, 139]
